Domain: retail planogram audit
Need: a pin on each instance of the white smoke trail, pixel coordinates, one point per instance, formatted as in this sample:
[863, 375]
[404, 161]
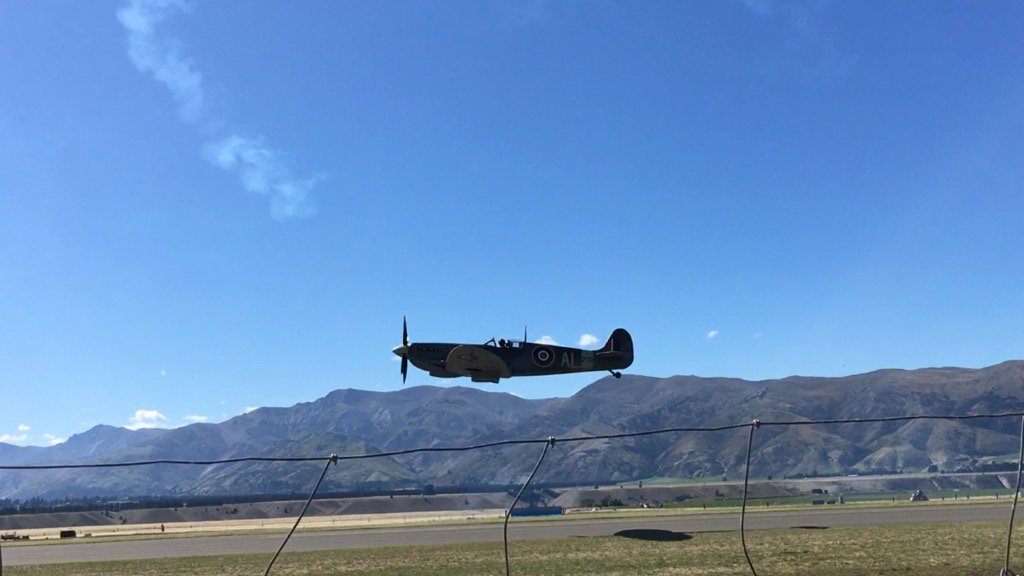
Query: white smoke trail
[259, 167]
[159, 57]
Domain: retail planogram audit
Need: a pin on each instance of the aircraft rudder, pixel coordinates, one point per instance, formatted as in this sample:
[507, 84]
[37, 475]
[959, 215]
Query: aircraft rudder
[620, 341]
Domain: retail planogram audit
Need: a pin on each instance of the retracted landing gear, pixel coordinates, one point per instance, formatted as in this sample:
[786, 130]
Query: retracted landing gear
[616, 374]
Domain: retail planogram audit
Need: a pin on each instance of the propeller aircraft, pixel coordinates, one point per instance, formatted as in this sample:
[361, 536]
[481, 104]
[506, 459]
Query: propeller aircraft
[496, 359]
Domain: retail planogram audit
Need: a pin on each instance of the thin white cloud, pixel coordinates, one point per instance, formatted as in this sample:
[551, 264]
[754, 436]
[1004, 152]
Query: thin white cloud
[193, 418]
[588, 340]
[249, 409]
[758, 335]
[712, 334]
[54, 440]
[24, 428]
[759, 7]
[260, 168]
[546, 340]
[146, 419]
[261, 171]
[11, 438]
[523, 12]
[825, 58]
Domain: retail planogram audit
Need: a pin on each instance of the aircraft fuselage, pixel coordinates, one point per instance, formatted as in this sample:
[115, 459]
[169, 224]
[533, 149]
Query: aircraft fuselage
[494, 360]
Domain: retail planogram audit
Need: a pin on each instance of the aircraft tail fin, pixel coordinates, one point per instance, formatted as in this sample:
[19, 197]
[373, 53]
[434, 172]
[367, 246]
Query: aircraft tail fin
[619, 344]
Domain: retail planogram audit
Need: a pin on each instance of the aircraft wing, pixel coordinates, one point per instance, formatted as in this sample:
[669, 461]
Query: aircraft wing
[478, 363]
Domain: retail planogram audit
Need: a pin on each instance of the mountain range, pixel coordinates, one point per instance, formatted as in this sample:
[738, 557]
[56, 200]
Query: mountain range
[351, 421]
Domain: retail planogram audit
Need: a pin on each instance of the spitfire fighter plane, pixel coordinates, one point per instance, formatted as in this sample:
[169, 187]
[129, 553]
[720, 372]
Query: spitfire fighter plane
[496, 359]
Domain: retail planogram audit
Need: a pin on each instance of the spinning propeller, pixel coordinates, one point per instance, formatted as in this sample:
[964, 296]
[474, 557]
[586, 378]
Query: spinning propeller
[403, 350]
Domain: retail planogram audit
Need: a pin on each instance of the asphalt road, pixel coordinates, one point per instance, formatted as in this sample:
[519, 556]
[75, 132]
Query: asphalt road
[427, 535]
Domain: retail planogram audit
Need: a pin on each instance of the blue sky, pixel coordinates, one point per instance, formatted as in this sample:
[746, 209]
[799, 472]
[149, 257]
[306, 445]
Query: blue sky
[211, 206]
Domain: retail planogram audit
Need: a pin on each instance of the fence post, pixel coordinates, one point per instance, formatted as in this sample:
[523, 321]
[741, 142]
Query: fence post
[332, 459]
[504, 534]
[743, 509]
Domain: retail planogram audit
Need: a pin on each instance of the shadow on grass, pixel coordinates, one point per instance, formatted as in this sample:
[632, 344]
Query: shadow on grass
[653, 534]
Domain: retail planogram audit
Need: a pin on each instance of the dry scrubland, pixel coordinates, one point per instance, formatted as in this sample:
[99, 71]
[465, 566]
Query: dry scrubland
[962, 549]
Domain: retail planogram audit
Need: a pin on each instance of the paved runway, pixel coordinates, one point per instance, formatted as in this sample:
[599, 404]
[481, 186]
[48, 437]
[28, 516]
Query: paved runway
[419, 535]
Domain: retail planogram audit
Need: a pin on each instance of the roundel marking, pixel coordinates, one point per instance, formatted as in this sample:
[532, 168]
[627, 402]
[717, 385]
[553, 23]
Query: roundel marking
[543, 356]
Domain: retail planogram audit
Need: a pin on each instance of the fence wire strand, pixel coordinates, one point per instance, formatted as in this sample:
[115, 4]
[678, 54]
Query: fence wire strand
[548, 442]
[499, 443]
[504, 530]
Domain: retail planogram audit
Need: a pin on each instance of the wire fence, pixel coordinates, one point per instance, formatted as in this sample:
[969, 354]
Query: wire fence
[547, 443]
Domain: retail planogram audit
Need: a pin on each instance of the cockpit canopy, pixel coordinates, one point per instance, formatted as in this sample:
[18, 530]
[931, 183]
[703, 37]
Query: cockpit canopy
[509, 344]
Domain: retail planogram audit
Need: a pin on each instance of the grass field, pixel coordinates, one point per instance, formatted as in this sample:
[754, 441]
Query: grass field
[962, 549]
